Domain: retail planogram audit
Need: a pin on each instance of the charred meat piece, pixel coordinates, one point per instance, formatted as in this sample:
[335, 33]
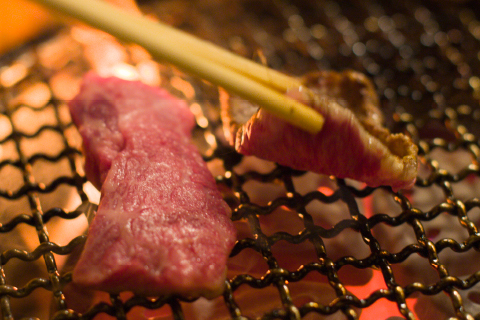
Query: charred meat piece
[161, 226]
[352, 144]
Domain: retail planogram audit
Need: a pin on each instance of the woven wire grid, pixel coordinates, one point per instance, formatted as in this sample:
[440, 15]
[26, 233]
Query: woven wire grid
[307, 243]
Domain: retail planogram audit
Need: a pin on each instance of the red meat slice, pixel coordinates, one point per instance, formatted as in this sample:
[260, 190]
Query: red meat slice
[161, 226]
[352, 143]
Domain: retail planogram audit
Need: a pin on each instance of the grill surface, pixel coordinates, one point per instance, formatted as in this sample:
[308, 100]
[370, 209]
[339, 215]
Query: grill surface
[309, 246]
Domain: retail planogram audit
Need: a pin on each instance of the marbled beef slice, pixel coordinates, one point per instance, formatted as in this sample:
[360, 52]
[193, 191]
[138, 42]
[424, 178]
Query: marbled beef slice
[352, 143]
[161, 226]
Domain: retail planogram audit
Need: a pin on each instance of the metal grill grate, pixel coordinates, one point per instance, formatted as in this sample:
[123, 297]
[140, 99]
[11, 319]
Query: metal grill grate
[309, 246]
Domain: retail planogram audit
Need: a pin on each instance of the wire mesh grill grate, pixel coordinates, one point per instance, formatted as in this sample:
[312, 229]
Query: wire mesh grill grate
[309, 246]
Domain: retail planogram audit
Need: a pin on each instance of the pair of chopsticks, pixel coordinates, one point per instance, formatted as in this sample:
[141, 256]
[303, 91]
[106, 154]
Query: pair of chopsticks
[249, 80]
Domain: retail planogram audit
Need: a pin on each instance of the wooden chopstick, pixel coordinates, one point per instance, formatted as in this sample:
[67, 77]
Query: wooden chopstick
[245, 78]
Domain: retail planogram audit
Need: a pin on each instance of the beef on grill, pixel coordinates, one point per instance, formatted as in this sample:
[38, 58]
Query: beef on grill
[161, 226]
[352, 144]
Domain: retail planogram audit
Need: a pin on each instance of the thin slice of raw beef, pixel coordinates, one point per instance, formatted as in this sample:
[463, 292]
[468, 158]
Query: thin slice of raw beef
[162, 226]
[352, 143]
